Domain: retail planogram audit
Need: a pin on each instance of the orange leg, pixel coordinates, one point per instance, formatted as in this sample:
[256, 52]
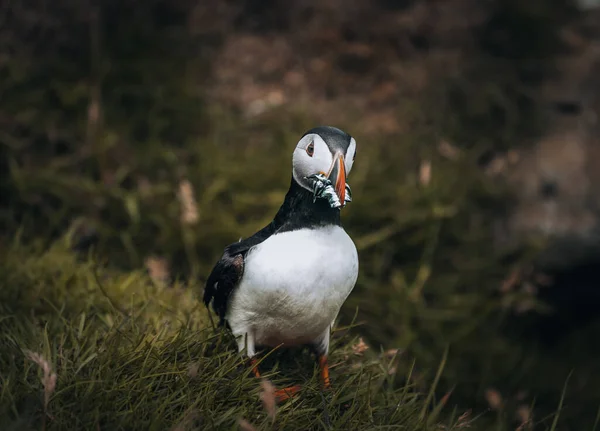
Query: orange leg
[253, 362]
[324, 371]
[281, 394]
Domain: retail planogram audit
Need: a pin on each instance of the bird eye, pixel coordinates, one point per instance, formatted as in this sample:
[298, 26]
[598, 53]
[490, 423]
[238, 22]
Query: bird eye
[310, 150]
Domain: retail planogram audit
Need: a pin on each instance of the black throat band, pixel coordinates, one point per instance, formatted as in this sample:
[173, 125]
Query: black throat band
[300, 210]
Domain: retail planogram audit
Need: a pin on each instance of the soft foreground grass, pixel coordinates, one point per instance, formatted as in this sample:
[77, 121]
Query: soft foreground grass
[82, 347]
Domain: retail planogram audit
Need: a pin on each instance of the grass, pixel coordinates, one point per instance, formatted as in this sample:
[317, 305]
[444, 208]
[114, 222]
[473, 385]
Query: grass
[122, 344]
[130, 353]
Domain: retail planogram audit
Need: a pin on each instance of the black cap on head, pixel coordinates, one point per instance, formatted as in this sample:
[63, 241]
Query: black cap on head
[335, 138]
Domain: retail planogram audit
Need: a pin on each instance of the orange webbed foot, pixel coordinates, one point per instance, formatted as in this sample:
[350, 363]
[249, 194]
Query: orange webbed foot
[286, 393]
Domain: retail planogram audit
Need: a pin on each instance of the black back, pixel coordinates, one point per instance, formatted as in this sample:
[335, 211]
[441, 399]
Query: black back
[298, 211]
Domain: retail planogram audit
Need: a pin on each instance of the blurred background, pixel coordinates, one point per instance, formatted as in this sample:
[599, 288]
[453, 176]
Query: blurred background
[153, 134]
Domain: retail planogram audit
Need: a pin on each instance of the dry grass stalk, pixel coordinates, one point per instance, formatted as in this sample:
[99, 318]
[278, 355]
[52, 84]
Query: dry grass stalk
[158, 268]
[267, 396]
[245, 425]
[390, 353]
[448, 150]
[425, 172]
[511, 282]
[464, 420]
[360, 347]
[493, 398]
[496, 166]
[193, 370]
[189, 207]
[49, 377]
[446, 397]
[524, 416]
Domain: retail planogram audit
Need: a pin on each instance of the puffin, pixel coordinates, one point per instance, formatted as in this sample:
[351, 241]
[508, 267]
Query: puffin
[285, 284]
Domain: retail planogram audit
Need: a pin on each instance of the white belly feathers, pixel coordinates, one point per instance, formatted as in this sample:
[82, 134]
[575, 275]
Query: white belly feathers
[293, 286]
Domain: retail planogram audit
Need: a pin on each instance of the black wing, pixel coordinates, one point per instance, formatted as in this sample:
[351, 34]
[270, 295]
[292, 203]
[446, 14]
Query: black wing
[228, 271]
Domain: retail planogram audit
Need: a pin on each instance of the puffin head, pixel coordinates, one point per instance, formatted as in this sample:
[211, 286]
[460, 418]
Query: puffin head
[328, 153]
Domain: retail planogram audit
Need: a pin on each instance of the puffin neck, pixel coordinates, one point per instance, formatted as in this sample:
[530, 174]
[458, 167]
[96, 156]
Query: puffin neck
[299, 210]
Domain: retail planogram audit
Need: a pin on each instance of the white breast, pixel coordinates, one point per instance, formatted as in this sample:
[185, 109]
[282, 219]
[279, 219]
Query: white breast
[293, 286]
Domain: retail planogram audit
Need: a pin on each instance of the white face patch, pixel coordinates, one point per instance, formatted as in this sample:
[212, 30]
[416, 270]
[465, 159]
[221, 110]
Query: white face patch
[304, 165]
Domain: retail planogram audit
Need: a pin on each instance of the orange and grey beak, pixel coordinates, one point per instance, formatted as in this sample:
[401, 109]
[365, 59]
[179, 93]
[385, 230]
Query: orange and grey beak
[337, 175]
